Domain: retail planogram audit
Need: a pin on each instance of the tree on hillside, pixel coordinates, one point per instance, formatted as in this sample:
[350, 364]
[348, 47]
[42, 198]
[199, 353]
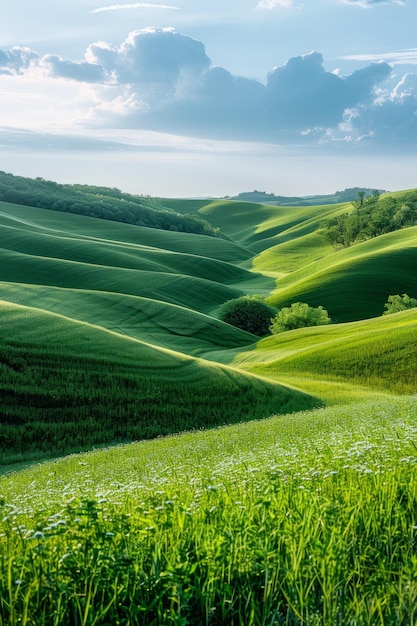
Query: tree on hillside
[399, 303]
[374, 215]
[361, 196]
[299, 315]
[250, 313]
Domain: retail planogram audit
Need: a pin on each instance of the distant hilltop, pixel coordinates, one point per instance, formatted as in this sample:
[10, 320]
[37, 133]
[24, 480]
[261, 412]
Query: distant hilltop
[347, 195]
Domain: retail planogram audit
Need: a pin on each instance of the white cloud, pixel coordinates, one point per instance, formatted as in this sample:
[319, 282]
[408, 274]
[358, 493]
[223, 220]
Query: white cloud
[399, 57]
[136, 5]
[160, 80]
[367, 4]
[273, 4]
[52, 103]
[406, 87]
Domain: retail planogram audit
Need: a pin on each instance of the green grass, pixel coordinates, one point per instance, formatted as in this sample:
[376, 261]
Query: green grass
[70, 386]
[259, 226]
[164, 289]
[76, 226]
[378, 354]
[180, 289]
[118, 254]
[158, 323]
[37, 252]
[302, 519]
[354, 283]
[288, 256]
[306, 519]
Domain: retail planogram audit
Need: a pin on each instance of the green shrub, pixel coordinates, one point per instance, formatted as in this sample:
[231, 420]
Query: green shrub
[298, 315]
[399, 303]
[250, 313]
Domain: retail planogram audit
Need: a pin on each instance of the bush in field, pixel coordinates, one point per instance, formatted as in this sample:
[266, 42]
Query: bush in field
[298, 315]
[250, 313]
[399, 303]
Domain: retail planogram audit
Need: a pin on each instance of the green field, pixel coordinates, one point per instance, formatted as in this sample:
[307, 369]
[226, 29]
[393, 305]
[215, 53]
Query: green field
[289, 498]
[306, 519]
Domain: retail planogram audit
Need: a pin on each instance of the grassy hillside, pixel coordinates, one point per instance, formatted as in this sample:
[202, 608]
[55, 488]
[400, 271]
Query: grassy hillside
[159, 323]
[260, 226]
[354, 283]
[75, 226]
[377, 353]
[109, 333]
[306, 519]
[68, 386]
[44, 248]
[101, 202]
[288, 243]
[126, 298]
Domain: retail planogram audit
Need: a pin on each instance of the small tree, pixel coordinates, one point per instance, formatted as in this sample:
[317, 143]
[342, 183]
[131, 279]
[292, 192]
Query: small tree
[399, 303]
[298, 315]
[359, 202]
[250, 313]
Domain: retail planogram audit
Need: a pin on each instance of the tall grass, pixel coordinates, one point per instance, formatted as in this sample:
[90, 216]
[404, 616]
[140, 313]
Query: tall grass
[303, 520]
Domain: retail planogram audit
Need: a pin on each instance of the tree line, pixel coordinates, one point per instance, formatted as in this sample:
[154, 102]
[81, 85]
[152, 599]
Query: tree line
[372, 216]
[100, 202]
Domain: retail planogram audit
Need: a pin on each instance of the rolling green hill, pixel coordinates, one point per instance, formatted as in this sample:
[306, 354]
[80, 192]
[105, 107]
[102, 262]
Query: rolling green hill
[69, 385]
[45, 248]
[260, 226]
[157, 294]
[377, 353]
[354, 283]
[159, 323]
[101, 202]
[110, 333]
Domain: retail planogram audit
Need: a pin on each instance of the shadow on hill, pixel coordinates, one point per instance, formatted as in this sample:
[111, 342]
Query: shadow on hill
[69, 386]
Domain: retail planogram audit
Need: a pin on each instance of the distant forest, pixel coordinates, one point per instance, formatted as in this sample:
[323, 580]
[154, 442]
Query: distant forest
[372, 216]
[347, 195]
[101, 202]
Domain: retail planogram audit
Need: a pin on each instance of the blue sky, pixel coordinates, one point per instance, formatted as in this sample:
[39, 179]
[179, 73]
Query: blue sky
[200, 98]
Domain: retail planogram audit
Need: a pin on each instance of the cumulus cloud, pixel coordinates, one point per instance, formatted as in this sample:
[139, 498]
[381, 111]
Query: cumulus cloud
[158, 62]
[361, 83]
[17, 60]
[299, 101]
[390, 119]
[161, 80]
[136, 5]
[301, 94]
[83, 71]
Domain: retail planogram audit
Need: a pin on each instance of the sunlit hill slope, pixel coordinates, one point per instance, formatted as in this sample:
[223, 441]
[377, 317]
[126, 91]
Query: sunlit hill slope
[111, 331]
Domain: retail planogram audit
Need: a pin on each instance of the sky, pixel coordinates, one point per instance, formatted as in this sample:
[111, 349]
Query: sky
[198, 98]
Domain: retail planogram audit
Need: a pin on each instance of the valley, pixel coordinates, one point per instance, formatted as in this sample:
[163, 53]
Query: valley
[164, 467]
